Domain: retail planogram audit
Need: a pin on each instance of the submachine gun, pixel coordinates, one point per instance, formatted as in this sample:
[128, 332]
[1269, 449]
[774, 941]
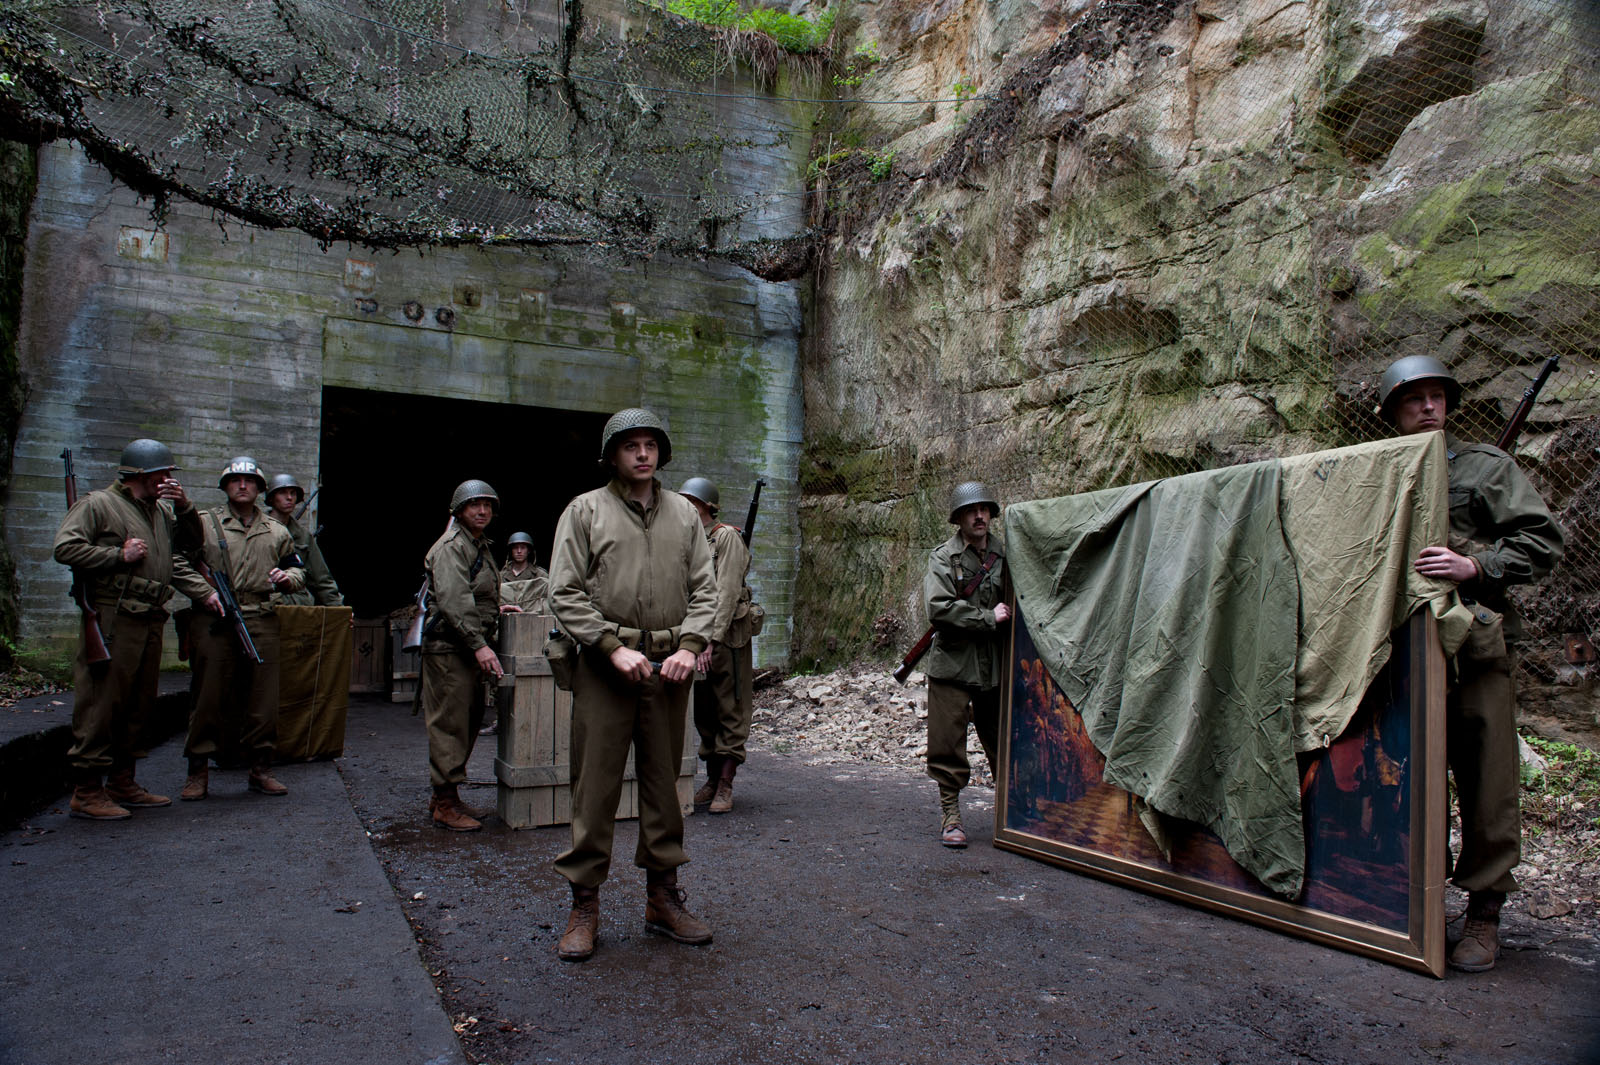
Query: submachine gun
[95, 650]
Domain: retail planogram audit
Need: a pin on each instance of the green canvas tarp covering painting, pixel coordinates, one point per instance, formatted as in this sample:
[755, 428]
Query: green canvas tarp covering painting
[1207, 627]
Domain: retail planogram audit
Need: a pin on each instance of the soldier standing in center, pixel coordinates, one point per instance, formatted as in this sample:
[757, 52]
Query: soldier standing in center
[457, 657]
[723, 701]
[283, 495]
[250, 549]
[631, 580]
[524, 585]
[963, 665]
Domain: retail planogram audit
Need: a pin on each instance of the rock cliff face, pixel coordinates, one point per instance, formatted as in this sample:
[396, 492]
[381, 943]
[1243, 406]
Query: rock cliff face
[1144, 237]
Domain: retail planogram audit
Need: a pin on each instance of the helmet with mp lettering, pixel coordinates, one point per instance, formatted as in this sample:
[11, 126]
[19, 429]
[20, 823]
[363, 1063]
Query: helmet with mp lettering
[467, 491]
[242, 466]
[626, 421]
[145, 456]
[1415, 368]
[969, 492]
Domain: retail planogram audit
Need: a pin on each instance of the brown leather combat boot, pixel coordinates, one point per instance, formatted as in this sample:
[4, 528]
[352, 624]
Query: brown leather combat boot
[1479, 947]
[262, 780]
[664, 913]
[708, 790]
[91, 802]
[126, 791]
[583, 925]
[722, 801]
[198, 784]
[447, 811]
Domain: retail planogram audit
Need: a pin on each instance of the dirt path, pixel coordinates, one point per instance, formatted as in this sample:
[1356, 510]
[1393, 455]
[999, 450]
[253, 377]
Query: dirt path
[844, 933]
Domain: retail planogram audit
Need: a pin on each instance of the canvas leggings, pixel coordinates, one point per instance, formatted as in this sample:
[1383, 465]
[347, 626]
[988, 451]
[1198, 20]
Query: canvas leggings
[1481, 745]
[610, 716]
[226, 681]
[722, 704]
[114, 698]
[950, 707]
[453, 711]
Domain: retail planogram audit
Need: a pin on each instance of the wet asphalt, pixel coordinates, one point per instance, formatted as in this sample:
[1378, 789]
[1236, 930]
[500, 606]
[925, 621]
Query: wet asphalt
[263, 930]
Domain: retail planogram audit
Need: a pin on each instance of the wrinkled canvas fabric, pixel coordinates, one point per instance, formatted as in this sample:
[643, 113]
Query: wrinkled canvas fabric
[1172, 614]
[313, 681]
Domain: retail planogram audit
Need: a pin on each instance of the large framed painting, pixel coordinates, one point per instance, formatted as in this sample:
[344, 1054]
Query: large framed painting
[1373, 802]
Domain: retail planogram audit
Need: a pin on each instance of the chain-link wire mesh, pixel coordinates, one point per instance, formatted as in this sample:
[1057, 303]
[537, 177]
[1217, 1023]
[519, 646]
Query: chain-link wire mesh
[1190, 235]
[1148, 237]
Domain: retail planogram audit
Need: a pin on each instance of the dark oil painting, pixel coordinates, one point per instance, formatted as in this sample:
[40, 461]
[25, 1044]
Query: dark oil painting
[1364, 888]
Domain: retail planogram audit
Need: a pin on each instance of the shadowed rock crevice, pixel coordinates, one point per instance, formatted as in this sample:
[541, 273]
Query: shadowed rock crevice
[1367, 115]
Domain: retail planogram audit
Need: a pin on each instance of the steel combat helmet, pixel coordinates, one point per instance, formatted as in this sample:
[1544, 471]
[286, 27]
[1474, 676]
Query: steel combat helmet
[1415, 368]
[626, 421]
[520, 538]
[968, 493]
[703, 490]
[242, 466]
[467, 491]
[286, 480]
[145, 456]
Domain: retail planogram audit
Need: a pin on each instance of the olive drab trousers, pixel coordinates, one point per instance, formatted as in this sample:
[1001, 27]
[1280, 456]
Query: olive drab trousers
[610, 715]
[950, 707]
[114, 698]
[1481, 747]
[228, 685]
[453, 709]
[723, 702]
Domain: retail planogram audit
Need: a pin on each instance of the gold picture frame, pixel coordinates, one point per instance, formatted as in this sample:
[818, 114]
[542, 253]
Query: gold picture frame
[1375, 803]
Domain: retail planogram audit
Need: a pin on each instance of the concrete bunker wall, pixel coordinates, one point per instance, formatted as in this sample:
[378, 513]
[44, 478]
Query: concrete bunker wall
[220, 339]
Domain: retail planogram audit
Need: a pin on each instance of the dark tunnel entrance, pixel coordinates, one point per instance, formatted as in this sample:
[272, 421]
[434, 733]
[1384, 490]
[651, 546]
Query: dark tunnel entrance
[390, 461]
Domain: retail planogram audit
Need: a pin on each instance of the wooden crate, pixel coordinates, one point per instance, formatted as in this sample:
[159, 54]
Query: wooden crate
[407, 673]
[534, 767]
[369, 657]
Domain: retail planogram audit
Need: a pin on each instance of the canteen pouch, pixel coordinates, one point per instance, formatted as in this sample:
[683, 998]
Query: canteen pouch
[561, 651]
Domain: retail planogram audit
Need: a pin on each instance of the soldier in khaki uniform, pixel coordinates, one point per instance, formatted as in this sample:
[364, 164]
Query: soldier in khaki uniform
[723, 701]
[964, 664]
[283, 495]
[524, 585]
[631, 580]
[258, 557]
[125, 543]
[1501, 533]
[457, 656]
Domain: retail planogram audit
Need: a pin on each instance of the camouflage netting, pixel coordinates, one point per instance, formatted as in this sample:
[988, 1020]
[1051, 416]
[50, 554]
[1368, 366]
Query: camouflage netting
[1179, 234]
[397, 123]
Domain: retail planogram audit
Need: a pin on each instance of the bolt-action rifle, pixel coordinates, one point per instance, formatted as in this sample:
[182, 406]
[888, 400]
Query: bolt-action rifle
[1513, 429]
[305, 505]
[750, 515]
[920, 648]
[94, 639]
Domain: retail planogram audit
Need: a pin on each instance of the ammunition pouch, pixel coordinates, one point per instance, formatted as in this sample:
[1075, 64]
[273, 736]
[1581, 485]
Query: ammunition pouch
[654, 644]
[132, 594]
[1486, 638]
[561, 651]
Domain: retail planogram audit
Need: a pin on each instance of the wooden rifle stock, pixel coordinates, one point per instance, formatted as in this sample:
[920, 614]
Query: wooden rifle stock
[1513, 429]
[920, 648]
[95, 650]
[413, 638]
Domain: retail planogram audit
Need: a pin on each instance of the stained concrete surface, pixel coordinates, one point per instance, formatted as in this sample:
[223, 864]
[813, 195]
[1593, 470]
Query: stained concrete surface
[221, 932]
[845, 933]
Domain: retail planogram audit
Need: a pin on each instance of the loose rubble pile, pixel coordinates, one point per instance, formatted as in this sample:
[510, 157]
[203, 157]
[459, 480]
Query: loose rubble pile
[856, 714]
